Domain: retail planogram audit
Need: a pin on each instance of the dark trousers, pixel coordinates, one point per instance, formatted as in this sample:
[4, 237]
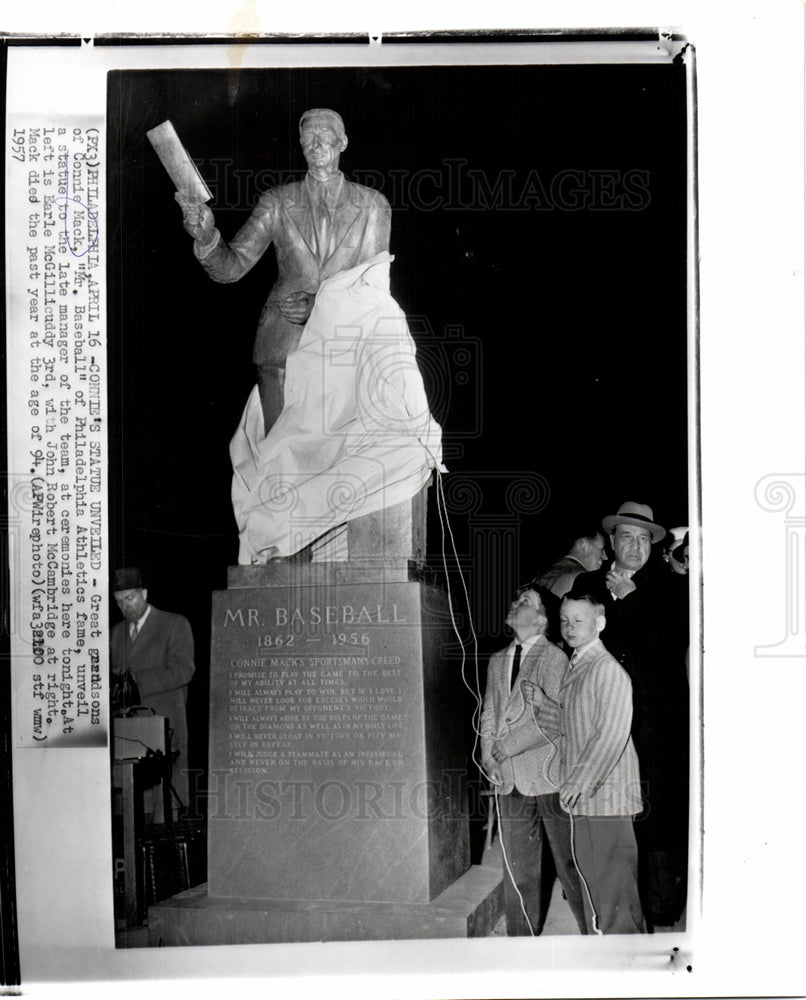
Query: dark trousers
[525, 822]
[607, 857]
[662, 835]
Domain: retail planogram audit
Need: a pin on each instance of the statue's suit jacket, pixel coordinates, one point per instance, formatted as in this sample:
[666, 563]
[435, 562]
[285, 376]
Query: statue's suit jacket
[284, 216]
[161, 662]
[533, 763]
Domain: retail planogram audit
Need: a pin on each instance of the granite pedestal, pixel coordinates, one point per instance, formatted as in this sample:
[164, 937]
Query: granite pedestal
[336, 762]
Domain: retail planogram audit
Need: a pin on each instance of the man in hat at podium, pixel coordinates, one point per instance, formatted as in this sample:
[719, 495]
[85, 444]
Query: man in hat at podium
[156, 648]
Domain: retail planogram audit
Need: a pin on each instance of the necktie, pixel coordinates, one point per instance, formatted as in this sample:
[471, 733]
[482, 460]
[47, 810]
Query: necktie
[574, 657]
[133, 627]
[516, 665]
[323, 224]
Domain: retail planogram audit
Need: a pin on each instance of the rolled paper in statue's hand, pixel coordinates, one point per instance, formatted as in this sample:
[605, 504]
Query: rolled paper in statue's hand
[176, 160]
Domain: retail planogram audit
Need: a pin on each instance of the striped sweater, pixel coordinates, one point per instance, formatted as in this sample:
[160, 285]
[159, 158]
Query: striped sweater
[591, 725]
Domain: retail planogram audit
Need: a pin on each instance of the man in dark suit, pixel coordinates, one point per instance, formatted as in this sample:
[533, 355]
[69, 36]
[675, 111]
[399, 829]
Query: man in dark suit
[156, 648]
[320, 225]
[644, 634]
[523, 767]
[586, 556]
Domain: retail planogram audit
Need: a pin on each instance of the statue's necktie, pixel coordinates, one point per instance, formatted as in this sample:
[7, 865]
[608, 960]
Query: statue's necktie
[323, 226]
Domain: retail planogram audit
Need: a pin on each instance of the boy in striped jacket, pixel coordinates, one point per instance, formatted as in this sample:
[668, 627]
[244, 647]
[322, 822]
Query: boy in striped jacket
[599, 778]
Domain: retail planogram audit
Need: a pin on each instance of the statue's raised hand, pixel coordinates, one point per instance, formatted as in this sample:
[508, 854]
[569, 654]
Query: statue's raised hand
[197, 218]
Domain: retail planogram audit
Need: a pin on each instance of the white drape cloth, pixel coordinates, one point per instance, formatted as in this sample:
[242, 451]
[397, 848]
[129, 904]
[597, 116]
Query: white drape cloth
[355, 434]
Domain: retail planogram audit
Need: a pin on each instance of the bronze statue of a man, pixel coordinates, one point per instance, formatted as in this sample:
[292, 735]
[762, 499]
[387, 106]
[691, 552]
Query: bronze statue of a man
[320, 226]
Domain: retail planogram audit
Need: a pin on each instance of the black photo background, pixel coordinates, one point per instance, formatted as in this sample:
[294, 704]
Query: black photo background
[539, 234]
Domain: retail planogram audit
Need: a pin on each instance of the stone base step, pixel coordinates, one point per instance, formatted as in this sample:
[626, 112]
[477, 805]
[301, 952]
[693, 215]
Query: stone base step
[470, 907]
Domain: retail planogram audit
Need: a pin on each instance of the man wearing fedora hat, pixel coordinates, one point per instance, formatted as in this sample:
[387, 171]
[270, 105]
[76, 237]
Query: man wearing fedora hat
[645, 636]
[156, 648]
